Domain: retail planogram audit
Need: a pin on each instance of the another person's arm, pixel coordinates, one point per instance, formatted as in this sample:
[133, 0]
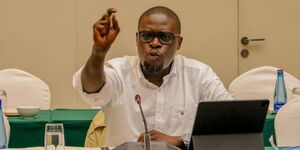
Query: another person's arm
[105, 31]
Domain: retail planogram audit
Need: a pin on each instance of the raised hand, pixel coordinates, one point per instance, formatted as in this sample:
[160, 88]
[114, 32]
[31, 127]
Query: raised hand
[105, 31]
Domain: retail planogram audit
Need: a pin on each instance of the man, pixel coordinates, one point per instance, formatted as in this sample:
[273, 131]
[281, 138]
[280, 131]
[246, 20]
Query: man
[170, 86]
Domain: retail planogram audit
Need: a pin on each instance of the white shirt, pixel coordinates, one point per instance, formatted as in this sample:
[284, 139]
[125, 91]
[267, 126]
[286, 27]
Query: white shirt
[169, 108]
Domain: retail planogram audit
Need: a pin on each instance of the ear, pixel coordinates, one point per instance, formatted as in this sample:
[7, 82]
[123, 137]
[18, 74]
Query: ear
[136, 36]
[180, 39]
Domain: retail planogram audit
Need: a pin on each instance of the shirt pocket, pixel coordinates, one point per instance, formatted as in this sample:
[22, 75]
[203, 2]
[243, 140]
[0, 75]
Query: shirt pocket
[183, 113]
[181, 120]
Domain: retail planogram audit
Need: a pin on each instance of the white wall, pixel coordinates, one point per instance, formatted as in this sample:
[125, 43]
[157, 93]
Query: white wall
[53, 38]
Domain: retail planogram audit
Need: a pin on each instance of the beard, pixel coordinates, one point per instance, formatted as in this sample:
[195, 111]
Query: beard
[151, 69]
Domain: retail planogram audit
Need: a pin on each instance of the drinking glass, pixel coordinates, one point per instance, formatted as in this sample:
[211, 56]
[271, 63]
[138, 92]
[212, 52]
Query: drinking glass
[54, 136]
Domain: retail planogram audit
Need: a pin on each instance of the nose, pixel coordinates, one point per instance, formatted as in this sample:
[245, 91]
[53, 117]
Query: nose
[155, 43]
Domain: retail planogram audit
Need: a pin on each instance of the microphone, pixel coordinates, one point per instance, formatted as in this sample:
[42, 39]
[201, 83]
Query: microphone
[147, 138]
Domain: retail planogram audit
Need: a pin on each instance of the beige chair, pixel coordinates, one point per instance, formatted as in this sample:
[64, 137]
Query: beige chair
[23, 89]
[7, 128]
[259, 83]
[95, 136]
[287, 124]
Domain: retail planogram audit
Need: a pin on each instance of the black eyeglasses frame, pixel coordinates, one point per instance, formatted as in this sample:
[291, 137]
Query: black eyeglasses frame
[158, 35]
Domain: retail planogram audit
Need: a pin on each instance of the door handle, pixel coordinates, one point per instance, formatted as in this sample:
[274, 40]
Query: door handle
[246, 40]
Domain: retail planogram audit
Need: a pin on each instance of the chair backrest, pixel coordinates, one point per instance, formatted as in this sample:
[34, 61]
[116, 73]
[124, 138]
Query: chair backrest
[259, 83]
[95, 136]
[7, 128]
[23, 89]
[287, 124]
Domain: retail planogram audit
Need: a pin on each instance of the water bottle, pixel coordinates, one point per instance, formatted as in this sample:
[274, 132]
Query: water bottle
[280, 91]
[3, 98]
[2, 130]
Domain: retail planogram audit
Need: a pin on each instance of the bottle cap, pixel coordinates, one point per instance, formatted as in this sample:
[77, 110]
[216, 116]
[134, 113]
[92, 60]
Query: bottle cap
[280, 71]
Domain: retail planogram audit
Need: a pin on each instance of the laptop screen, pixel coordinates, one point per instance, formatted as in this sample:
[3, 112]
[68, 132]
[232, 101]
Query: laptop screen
[230, 117]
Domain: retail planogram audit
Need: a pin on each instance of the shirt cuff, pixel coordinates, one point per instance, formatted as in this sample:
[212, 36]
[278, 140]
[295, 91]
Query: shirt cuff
[100, 98]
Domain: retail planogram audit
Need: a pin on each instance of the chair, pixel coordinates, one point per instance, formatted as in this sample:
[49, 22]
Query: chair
[7, 128]
[287, 124]
[95, 136]
[259, 83]
[23, 89]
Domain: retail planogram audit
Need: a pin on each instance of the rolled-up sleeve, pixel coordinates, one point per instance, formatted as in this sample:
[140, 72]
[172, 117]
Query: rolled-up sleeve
[213, 87]
[103, 97]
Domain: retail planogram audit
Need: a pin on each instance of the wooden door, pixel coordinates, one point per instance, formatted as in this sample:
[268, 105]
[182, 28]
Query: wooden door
[277, 22]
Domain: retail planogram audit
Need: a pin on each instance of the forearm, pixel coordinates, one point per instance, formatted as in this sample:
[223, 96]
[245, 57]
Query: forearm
[93, 75]
[105, 31]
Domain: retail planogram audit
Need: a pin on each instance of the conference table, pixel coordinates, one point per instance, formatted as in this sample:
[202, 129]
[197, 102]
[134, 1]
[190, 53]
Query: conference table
[30, 133]
[86, 148]
[66, 148]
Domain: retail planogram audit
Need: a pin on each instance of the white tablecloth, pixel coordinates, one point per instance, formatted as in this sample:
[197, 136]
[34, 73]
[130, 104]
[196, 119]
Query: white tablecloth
[66, 148]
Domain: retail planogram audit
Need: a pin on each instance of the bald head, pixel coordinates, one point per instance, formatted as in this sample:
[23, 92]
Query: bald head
[165, 11]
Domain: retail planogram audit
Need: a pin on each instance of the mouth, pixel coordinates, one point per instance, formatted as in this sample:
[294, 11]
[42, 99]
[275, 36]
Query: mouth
[153, 55]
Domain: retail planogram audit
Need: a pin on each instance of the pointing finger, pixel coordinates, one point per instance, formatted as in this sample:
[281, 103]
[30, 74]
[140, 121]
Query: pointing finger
[111, 10]
[115, 24]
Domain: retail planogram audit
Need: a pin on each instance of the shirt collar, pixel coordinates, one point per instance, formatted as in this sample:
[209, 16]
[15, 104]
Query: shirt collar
[139, 70]
[174, 66]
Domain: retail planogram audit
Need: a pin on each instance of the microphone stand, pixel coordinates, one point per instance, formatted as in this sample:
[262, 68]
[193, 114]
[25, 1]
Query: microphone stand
[147, 145]
[147, 138]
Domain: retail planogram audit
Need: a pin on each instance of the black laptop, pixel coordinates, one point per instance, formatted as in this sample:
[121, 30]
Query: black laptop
[229, 125]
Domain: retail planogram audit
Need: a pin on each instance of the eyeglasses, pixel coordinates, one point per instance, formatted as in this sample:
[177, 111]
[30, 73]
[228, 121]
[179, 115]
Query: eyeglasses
[163, 37]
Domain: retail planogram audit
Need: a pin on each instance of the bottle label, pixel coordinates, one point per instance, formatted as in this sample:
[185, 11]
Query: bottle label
[277, 106]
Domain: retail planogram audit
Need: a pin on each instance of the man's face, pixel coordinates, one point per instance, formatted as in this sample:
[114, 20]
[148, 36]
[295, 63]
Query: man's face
[157, 53]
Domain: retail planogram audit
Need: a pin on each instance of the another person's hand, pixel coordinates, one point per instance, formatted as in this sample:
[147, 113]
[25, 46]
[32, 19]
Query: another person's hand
[105, 31]
[159, 136]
